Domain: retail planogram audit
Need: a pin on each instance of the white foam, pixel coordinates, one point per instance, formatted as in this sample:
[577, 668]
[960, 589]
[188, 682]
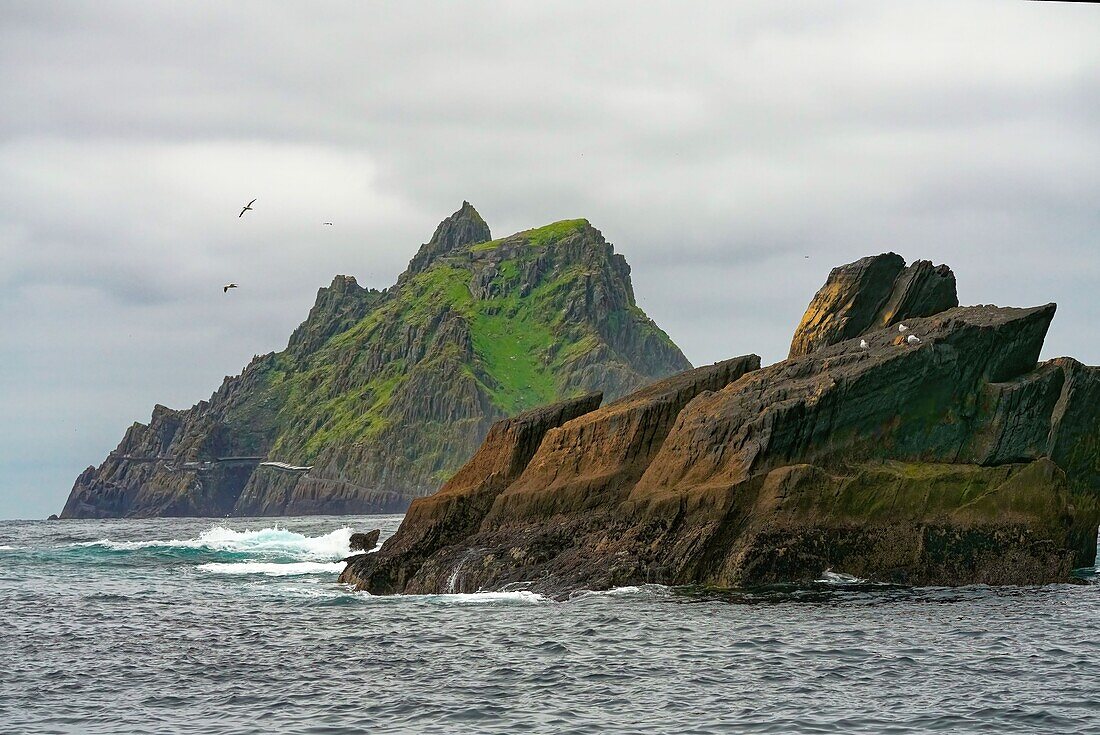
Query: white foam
[7, 548]
[465, 598]
[294, 569]
[830, 577]
[333, 545]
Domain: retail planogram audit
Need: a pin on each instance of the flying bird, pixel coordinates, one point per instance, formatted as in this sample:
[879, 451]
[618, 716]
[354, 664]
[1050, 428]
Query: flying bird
[903, 328]
[246, 208]
[913, 339]
[326, 223]
[226, 287]
[863, 344]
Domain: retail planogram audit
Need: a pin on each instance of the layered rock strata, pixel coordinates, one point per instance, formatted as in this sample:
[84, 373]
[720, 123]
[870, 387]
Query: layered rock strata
[954, 460]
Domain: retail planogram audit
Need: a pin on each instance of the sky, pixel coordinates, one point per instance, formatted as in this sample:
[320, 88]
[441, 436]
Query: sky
[715, 144]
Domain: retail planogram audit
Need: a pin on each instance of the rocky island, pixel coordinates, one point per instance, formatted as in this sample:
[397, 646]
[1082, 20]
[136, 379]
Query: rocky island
[381, 395]
[950, 458]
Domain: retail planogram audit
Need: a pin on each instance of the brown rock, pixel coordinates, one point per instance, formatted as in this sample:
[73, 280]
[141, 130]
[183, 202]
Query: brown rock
[957, 460]
[364, 541]
[871, 293]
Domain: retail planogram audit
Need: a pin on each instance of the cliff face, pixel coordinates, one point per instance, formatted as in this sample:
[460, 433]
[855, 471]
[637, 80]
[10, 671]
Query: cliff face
[382, 395]
[953, 460]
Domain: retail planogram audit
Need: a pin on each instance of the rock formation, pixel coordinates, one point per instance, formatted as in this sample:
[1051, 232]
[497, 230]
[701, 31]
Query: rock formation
[955, 460]
[381, 395]
[877, 291]
[364, 541]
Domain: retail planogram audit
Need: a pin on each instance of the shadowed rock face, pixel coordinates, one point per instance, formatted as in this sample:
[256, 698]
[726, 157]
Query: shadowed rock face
[955, 460]
[382, 395]
[876, 291]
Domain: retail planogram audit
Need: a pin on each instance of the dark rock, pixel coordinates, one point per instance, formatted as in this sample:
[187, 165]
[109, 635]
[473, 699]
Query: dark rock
[871, 293]
[464, 227]
[956, 460]
[53, 517]
[364, 541]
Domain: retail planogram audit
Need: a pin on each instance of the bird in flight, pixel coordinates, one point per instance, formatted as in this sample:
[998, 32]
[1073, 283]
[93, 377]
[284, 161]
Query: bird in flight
[326, 223]
[246, 208]
[226, 287]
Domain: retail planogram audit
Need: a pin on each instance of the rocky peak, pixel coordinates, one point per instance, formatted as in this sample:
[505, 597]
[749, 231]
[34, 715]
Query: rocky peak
[871, 293]
[337, 307]
[464, 227]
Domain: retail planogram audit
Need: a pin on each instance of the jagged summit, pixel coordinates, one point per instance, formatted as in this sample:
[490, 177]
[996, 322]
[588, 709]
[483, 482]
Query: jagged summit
[876, 291]
[464, 227]
[385, 393]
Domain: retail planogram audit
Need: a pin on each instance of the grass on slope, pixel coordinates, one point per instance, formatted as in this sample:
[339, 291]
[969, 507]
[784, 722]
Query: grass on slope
[520, 346]
[540, 236]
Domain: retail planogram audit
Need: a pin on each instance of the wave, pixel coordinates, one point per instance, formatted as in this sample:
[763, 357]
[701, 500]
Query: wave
[7, 548]
[467, 597]
[293, 569]
[839, 578]
[330, 546]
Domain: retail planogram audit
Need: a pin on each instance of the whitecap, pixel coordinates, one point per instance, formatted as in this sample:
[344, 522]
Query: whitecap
[463, 598]
[7, 548]
[332, 545]
[293, 569]
[839, 578]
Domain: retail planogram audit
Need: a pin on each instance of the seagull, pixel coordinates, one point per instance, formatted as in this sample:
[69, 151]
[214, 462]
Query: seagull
[326, 223]
[913, 339]
[246, 208]
[903, 328]
[863, 344]
[226, 287]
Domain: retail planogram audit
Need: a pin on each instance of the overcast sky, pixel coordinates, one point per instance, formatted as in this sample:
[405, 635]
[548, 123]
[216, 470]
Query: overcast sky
[715, 145]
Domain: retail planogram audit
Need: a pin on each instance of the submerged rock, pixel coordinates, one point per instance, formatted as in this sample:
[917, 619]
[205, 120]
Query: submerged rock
[364, 541]
[955, 460]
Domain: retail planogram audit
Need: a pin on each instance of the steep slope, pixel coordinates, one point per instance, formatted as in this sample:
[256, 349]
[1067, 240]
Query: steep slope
[955, 460]
[381, 395]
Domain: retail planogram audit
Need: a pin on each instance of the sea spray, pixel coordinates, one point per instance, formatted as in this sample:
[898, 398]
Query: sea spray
[275, 540]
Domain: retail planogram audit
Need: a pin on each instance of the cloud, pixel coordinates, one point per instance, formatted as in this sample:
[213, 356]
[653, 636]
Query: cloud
[715, 144]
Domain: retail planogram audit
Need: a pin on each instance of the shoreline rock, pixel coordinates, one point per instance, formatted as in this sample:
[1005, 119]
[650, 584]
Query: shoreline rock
[956, 460]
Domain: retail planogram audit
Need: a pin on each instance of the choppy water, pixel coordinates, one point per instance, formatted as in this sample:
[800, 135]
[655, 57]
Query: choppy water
[184, 626]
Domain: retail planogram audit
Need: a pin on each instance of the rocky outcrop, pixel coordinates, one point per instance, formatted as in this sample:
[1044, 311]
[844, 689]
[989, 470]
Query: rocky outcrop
[364, 541]
[877, 291]
[954, 460]
[457, 510]
[381, 395]
[464, 227]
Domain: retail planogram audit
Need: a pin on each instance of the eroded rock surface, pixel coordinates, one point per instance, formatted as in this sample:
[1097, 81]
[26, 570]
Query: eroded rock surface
[877, 291]
[954, 460]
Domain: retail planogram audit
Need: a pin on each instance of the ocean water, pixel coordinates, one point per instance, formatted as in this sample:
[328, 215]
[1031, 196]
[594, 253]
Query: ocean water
[192, 626]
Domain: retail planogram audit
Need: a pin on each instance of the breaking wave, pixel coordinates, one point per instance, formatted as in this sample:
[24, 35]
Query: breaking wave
[280, 541]
[839, 578]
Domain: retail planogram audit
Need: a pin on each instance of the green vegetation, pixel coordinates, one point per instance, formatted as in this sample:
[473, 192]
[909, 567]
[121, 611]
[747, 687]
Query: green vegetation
[539, 237]
[519, 351]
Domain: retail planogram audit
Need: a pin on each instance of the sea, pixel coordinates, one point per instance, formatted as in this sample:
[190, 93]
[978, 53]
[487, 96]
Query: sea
[239, 626]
